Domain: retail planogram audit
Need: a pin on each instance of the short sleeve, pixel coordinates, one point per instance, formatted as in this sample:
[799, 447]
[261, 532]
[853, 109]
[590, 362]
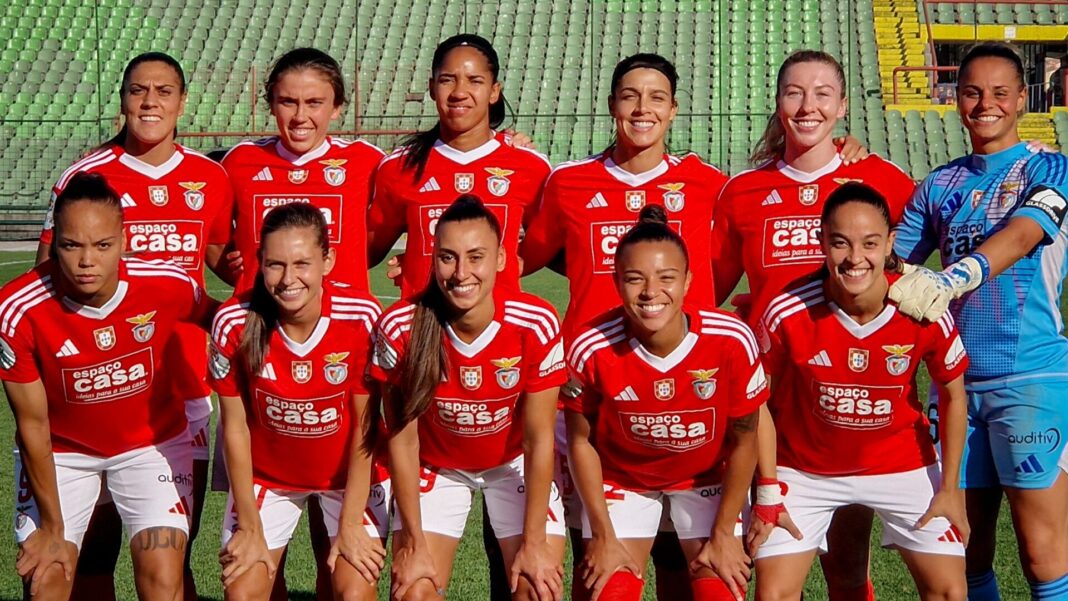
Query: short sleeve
[547, 368]
[1044, 200]
[915, 234]
[359, 357]
[222, 368]
[17, 361]
[49, 220]
[581, 393]
[544, 236]
[222, 222]
[748, 382]
[385, 212]
[946, 358]
[387, 356]
[725, 249]
[772, 349]
[195, 304]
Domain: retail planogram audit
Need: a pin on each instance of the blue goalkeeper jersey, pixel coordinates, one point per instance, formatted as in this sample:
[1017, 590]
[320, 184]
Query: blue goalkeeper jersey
[1011, 325]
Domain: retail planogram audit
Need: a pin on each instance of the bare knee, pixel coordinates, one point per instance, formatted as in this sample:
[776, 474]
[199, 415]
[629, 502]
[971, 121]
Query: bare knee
[954, 589]
[365, 592]
[422, 591]
[52, 585]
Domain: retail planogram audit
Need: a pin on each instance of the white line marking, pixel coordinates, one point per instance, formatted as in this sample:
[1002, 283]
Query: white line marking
[16, 262]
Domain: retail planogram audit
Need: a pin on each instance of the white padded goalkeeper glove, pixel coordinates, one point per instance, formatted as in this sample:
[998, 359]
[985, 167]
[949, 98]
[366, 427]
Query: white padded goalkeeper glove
[924, 294]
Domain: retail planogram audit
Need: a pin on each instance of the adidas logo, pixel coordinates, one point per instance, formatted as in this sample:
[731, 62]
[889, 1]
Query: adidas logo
[597, 202]
[772, 199]
[431, 185]
[181, 507]
[263, 176]
[951, 536]
[628, 394]
[68, 349]
[820, 360]
[201, 439]
[267, 373]
[127, 201]
[1030, 466]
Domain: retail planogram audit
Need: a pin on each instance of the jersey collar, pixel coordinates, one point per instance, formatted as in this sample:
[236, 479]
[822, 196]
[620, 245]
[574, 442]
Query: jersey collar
[152, 171]
[470, 156]
[674, 358]
[859, 331]
[477, 345]
[302, 159]
[984, 163]
[635, 179]
[807, 177]
[301, 349]
[102, 312]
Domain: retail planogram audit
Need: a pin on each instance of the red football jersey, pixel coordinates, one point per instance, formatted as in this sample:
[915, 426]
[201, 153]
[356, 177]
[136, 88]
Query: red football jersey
[507, 179]
[299, 406]
[475, 420]
[102, 367]
[336, 178]
[660, 422]
[767, 222]
[172, 211]
[846, 404]
[589, 204]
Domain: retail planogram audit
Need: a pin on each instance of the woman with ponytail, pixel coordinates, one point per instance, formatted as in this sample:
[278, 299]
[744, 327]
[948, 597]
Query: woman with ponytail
[665, 420]
[288, 359]
[461, 154]
[470, 372]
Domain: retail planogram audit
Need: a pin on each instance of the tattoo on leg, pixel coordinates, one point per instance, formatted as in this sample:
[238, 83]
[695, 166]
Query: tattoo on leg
[161, 537]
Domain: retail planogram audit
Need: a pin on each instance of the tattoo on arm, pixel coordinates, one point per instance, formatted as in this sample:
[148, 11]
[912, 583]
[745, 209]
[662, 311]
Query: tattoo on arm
[161, 537]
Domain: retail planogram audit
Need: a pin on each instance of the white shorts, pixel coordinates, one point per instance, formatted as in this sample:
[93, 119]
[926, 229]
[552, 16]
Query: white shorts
[280, 510]
[569, 497]
[638, 514]
[198, 408]
[151, 487]
[200, 438]
[445, 500]
[898, 499]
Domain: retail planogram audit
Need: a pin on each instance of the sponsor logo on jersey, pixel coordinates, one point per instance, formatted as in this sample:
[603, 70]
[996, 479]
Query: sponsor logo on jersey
[330, 205]
[772, 199]
[604, 239]
[179, 239]
[955, 354]
[854, 406]
[977, 198]
[792, 240]
[431, 185]
[463, 182]
[898, 362]
[264, 175]
[298, 176]
[634, 199]
[820, 359]
[335, 371]
[471, 377]
[105, 338]
[7, 354]
[194, 198]
[267, 372]
[126, 201]
[664, 390]
[466, 417]
[597, 202]
[704, 385]
[498, 182]
[507, 373]
[158, 195]
[68, 349]
[1049, 201]
[553, 361]
[858, 359]
[671, 430]
[301, 418]
[674, 199]
[808, 194]
[627, 394]
[143, 326]
[301, 371]
[334, 173]
[109, 380]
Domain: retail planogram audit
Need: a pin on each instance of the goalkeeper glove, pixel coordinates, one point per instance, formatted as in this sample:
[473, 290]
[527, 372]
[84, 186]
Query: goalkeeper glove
[924, 294]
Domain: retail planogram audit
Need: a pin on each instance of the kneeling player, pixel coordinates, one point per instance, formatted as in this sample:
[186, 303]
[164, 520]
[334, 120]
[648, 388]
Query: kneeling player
[667, 411]
[288, 361]
[850, 427]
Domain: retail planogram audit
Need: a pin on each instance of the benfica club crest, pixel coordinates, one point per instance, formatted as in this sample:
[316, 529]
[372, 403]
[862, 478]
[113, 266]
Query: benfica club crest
[298, 176]
[471, 377]
[158, 195]
[105, 338]
[194, 198]
[301, 371]
[498, 183]
[704, 385]
[335, 371]
[664, 389]
[507, 372]
[334, 174]
[1007, 194]
[808, 195]
[858, 359]
[143, 326]
[898, 362]
[635, 200]
[674, 199]
[464, 182]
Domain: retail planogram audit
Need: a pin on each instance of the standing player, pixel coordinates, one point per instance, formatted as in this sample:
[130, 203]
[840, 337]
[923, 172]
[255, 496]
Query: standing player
[851, 428]
[997, 218]
[288, 364]
[176, 205]
[652, 425]
[767, 226]
[470, 373]
[82, 360]
[461, 154]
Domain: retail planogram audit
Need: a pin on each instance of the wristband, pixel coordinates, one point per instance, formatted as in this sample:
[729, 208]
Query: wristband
[984, 265]
[770, 491]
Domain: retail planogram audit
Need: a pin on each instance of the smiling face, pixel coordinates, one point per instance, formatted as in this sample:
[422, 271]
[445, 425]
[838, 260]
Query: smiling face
[89, 243]
[643, 107]
[856, 241]
[467, 258]
[294, 265]
[303, 104]
[152, 100]
[990, 96]
[810, 103]
[463, 89]
[652, 278]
